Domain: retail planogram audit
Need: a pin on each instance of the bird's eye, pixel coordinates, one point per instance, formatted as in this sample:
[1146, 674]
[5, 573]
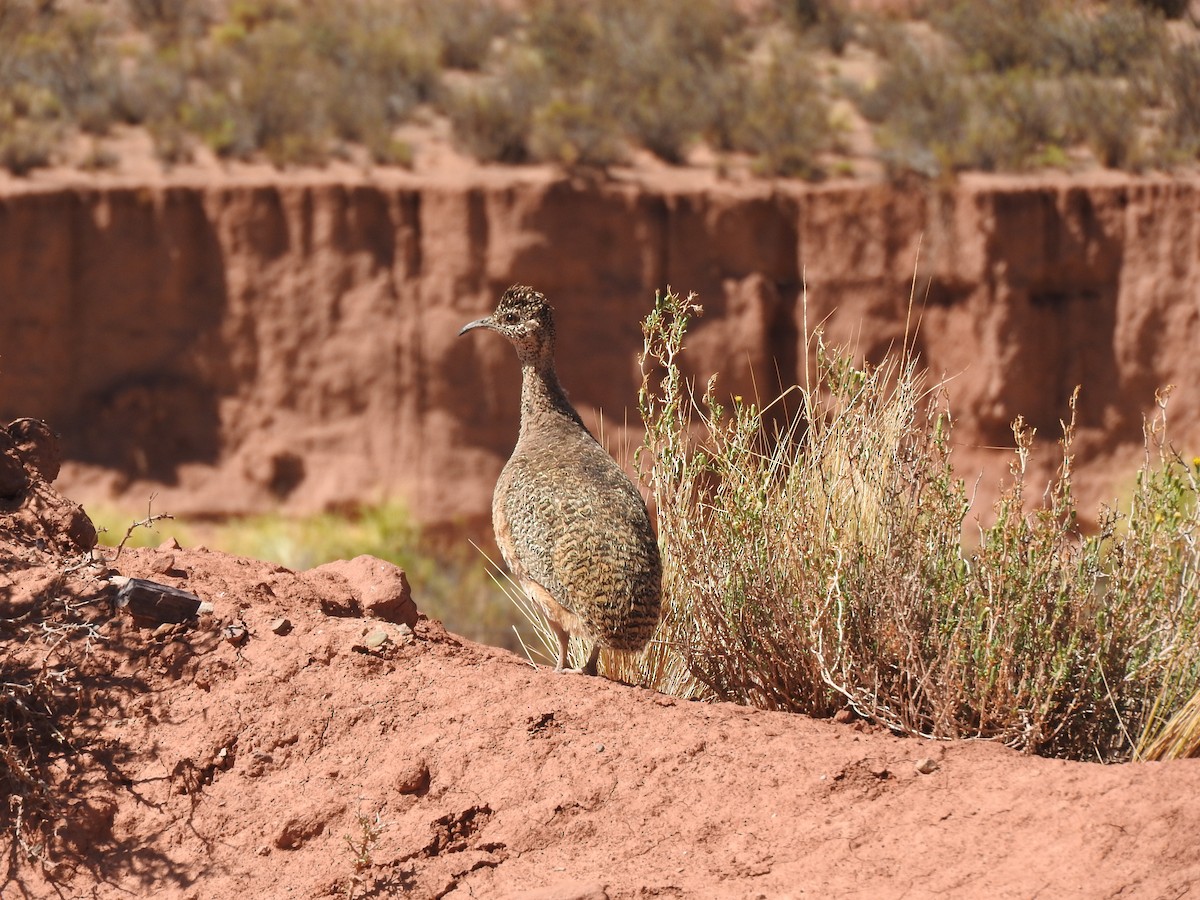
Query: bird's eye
[511, 318]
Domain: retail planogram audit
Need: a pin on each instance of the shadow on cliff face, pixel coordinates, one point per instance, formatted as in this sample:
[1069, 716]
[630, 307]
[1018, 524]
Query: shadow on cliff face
[123, 352]
[1058, 318]
[147, 428]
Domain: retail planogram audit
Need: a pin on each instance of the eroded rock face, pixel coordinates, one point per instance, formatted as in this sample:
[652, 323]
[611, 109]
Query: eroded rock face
[32, 512]
[241, 346]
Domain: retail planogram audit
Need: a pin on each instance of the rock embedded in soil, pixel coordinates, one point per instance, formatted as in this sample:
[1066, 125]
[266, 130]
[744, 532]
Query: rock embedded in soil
[375, 587]
[38, 447]
[13, 479]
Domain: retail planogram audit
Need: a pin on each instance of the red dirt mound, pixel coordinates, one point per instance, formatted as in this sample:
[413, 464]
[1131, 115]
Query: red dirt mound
[311, 737]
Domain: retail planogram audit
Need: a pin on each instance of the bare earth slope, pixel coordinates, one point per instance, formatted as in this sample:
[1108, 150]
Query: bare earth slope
[219, 770]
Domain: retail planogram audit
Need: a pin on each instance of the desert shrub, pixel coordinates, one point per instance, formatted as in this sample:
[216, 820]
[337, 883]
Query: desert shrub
[26, 143]
[276, 96]
[1054, 38]
[829, 23]
[575, 132]
[381, 59]
[936, 116]
[287, 80]
[493, 117]
[1105, 115]
[171, 22]
[465, 29]
[1171, 9]
[650, 68]
[1017, 120]
[777, 113]
[70, 54]
[58, 65]
[820, 562]
[920, 105]
[658, 65]
[1182, 78]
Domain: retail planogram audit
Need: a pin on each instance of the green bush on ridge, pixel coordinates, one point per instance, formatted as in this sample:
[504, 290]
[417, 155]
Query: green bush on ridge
[992, 86]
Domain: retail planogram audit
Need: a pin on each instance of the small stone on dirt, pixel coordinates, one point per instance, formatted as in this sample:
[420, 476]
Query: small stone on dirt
[376, 639]
[37, 446]
[569, 890]
[12, 474]
[281, 626]
[379, 588]
[413, 776]
[926, 766]
[236, 634]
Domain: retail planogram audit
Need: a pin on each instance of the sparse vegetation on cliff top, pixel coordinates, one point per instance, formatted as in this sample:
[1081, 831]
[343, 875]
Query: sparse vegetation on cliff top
[789, 89]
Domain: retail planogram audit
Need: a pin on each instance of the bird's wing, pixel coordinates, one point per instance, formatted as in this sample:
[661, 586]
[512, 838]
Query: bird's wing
[572, 527]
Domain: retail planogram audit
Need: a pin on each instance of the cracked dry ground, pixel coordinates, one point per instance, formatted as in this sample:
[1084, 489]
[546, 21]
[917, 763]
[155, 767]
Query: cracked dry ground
[319, 762]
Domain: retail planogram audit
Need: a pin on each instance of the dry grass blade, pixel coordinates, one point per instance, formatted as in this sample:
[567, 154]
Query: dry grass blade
[1180, 738]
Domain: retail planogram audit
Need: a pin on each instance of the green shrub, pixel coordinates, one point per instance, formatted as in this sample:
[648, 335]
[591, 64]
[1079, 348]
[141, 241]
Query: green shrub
[277, 96]
[1105, 115]
[1183, 116]
[1171, 9]
[831, 22]
[71, 55]
[26, 144]
[170, 22]
[820, 562]
[779, 114]
[650, 68]
[575, 133]
[580, 84]
[465, 29]
[493, 118]
[936, 116]
[921, 104]
[1055, 38]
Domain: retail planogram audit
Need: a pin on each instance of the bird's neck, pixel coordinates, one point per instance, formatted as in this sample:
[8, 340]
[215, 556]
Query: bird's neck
[544, 403]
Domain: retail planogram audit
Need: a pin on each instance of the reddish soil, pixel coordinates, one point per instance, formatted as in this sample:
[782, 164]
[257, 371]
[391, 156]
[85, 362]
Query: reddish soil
[205, 767]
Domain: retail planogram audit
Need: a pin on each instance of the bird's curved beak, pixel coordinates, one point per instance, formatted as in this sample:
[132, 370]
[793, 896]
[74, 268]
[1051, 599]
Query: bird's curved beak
[485, 322]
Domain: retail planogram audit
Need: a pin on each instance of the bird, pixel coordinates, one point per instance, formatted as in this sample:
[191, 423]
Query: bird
[571, 526]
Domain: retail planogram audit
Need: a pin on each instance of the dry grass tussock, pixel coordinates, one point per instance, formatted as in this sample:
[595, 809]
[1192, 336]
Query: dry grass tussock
[819, 562]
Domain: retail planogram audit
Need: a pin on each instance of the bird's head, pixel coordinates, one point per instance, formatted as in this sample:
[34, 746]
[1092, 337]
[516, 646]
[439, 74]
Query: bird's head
[524, 317]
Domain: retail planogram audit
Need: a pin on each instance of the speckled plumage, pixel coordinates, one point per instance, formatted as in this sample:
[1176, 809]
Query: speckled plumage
[572, 528]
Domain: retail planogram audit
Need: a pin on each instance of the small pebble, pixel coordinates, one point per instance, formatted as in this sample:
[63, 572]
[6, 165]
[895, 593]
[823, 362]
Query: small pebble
[281, 626]
[236, 634]
[926, 766]
[375, 640]
[413, 776]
